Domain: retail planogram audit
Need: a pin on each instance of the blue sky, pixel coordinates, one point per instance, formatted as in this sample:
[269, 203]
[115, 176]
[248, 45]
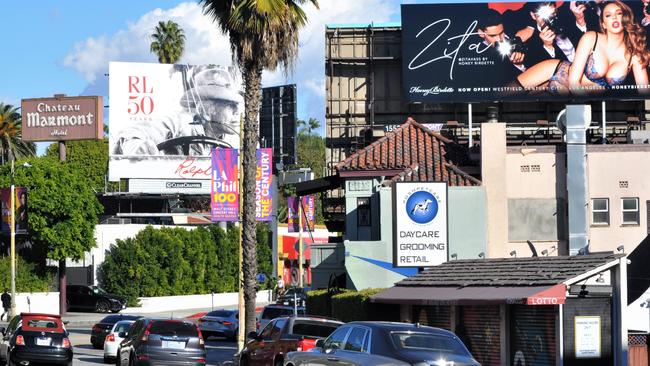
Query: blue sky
[64, 47]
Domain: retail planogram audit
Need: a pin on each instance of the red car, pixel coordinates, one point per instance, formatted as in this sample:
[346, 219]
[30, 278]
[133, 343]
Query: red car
[282, 335]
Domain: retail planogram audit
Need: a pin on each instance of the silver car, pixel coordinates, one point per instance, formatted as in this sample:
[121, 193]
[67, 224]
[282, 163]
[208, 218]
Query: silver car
[223, 323]
[385, 343]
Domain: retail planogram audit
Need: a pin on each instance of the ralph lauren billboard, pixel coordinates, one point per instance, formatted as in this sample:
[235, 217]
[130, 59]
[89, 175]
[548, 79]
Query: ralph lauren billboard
[525, 51]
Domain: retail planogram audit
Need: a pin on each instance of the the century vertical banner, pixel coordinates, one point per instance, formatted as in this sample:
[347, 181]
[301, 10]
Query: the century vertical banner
[308, 216]
[224, 198]
[263, 186]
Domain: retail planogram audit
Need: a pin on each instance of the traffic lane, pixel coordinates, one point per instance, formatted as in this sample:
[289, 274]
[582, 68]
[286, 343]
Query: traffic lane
[219, 350]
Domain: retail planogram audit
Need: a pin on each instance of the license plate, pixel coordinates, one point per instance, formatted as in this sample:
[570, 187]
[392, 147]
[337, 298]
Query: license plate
[43, 341]
[173, 344]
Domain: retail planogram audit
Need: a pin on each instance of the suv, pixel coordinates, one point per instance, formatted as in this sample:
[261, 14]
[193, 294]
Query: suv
[271, 312]
[92, 298]
[36, 338]
[292, 295]
[152, 341]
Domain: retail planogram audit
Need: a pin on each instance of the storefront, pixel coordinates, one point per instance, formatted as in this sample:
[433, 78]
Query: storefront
[524, 311]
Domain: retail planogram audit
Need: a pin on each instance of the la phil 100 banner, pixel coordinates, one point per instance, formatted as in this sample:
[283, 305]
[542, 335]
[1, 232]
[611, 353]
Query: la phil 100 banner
[561, 51]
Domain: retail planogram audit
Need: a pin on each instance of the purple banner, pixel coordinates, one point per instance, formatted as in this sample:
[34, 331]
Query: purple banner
[308, 214]
[263, 186]
[20, 210]
[224, 198]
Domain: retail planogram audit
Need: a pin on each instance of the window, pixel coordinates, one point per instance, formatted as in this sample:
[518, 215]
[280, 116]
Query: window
[600, 211]
[630, 208]
[335, 341]
[265, 334]
[363, 211]
[356, 340]
[277, 328]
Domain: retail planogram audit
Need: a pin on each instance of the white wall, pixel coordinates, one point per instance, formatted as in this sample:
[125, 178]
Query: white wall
[169, 303]
[39, 302]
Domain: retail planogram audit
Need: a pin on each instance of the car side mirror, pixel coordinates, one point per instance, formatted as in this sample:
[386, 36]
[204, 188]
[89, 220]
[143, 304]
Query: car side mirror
[122, 334]
[320, 343]
[3, 330]
[253, 335]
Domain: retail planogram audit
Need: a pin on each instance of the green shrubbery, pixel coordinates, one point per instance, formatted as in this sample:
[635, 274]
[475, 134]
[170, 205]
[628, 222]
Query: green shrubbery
[29, 276]
[176, 261]
[318, 303]
[349, 306]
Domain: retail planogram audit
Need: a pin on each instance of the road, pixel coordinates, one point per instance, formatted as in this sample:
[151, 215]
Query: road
[219, 350]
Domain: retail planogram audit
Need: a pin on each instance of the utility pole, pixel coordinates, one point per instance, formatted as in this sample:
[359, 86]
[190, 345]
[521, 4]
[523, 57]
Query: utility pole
[62, 269]
[12, 229]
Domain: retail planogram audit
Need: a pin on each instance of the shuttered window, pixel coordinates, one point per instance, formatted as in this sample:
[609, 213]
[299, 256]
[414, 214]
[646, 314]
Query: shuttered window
[532, 335]
[433, 316]
[479, 328]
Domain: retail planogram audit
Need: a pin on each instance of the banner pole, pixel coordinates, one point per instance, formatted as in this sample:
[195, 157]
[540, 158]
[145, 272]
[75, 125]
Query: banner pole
[469, 120]
[241, 305]
[604, 119]
[300, 253]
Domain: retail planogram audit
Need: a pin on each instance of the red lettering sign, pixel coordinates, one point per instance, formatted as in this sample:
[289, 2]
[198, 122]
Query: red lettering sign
[139, 103]
[190, 168]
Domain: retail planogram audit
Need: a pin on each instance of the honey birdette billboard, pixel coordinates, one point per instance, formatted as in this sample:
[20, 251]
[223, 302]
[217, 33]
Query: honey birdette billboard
[62, 118]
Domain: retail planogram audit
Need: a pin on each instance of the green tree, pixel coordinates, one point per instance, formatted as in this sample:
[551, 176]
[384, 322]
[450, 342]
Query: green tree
[63, 209]
[12, 146]
[168, 42]
[263, 34]
[90, 159]
[306, 128]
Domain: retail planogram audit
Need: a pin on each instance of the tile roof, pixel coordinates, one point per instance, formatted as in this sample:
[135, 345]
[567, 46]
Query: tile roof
[533, 271]
[411, 152]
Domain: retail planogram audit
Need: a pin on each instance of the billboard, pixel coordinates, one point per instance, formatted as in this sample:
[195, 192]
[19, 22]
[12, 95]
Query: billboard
[523, 51]
[21, 223]
[278, 123]
[224, 200]
[165, 119]
[62, 118]
[420, 225]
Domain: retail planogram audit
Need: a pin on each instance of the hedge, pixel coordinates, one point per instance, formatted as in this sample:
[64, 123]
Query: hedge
[29, 276]
[319, 303]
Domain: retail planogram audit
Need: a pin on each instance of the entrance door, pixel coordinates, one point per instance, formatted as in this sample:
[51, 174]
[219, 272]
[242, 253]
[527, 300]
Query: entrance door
[532, 335]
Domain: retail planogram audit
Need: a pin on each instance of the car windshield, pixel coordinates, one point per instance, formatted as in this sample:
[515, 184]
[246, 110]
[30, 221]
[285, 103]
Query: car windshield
[429, 342]
[98, 290]
[221, 313]
[313, 328]
[272, 313]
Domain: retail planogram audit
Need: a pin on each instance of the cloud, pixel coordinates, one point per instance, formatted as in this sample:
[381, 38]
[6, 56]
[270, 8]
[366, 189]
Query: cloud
[205, 44]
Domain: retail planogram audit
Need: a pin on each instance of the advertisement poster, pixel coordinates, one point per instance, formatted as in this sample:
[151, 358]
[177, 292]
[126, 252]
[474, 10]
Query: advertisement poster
[420, 225]
[555, 51]
[224, 197]
[587, 336]
[165, 119]
[20, 200]
[263, 185]
[308, 213]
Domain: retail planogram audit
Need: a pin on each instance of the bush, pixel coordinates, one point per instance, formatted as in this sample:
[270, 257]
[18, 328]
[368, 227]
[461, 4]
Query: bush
[318, 303]
[29, 276]
[355, 305]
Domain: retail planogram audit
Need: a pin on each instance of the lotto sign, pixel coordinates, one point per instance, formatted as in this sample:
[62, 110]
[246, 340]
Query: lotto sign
[263, 179]
[224, 198]
[420, 224]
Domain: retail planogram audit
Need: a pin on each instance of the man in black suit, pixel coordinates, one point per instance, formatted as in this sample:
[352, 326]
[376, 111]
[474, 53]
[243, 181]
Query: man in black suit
[580, 17]
[547, 40]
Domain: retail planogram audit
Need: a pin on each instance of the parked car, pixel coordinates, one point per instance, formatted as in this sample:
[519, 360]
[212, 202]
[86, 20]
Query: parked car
[93, 298]
[113, 339]
[292, 294]
[100, 330]
[273, 311]
[224, 323]
[35, 338]
[386, 343]
[158, 341]
[284, 335]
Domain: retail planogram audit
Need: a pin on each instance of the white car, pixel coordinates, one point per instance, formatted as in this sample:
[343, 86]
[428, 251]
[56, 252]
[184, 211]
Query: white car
[113, 339]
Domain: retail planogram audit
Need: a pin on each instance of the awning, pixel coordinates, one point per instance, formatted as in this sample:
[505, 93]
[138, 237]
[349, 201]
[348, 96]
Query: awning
[318, 185]
[422, 295]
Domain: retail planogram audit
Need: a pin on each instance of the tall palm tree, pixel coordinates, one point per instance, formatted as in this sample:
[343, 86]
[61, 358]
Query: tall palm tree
[11, 144]
[168, 42]
[263, 35]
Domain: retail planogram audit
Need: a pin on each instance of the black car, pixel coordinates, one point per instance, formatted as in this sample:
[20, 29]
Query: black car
[100, 330]
[153, 341]
[93, 298]
[35, 338]
[292, 295]
[386, 343]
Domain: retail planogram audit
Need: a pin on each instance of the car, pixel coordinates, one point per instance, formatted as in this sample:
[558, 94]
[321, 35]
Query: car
[92, 298]
[386, 343]
[100, 330]
[162, 341]
[292, 294]
[113, 339]
[224, 323]
[273, 311]
[36, 338]
[282, 335]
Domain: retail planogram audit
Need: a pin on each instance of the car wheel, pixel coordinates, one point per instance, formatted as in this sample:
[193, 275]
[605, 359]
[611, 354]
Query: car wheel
[107, 359]
[97, 346]
[102, 306]
[278, 362]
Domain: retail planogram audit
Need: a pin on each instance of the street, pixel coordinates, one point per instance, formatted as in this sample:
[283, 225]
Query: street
[219, 350]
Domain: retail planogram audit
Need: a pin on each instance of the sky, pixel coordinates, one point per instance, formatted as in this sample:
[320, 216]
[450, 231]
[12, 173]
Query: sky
[65, 46]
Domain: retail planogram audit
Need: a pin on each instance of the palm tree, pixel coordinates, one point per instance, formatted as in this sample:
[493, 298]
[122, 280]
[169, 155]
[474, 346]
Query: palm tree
[263, 34]
[11, 144]
[168, 42]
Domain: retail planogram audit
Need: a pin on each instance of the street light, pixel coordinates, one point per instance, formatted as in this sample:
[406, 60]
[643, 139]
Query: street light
[12, 228]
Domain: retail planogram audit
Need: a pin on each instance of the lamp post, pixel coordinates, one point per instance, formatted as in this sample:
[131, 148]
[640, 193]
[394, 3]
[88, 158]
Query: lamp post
[12, 230]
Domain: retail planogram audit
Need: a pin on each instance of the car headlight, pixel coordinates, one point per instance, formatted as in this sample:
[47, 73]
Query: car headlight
[438, 362]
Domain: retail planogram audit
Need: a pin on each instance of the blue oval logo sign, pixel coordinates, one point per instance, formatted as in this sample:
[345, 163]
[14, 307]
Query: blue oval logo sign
[422, 207]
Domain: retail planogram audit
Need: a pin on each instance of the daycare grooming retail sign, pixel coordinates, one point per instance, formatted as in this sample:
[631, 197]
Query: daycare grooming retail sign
[420, 212]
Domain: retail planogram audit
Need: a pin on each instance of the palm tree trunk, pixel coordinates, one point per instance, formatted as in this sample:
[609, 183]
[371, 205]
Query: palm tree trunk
[252, 80]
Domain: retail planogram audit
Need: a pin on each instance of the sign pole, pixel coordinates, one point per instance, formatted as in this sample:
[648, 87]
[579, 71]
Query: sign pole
[241, 306]
[62, 263]
[469, 121]
[12, 228]
[300, 253]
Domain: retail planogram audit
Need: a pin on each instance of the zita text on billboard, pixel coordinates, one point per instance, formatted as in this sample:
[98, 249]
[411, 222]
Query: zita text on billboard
[165, 119]
[556, 51]
[420, 224]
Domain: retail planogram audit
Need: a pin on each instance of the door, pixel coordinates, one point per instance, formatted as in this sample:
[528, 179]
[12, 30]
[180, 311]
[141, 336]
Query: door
[256, 348]
[124, 349]
[6, 338]
[327, 356]
[267, 353]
